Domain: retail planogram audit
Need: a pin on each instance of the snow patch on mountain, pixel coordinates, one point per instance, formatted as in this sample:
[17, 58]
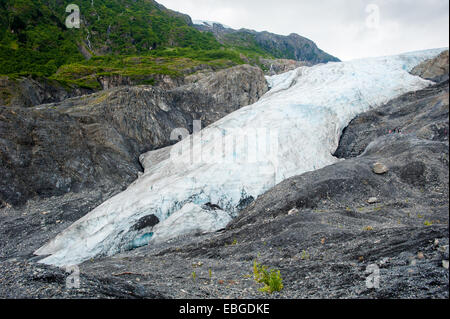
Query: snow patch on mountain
[203, 181]
[209, 23]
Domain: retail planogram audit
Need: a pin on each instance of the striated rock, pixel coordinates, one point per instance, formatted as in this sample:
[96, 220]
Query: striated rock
[33, 91]
[434, 69]
[423, 113]
[237, 86]
[29, 91]
[97, 139]
[163, 81]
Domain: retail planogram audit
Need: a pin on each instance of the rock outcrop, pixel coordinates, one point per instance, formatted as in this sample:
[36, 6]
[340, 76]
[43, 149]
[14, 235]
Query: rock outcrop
[423, 114]
[278, 66]
[434, 69]
[33, 91]
[96, 139]
[29, 91]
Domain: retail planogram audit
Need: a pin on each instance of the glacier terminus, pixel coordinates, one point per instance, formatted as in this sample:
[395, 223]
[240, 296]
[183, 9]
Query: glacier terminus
[201, 183]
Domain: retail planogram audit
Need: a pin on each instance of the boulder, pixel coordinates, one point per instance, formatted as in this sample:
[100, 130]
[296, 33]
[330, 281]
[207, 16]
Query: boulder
[379, 168]
[435, 69]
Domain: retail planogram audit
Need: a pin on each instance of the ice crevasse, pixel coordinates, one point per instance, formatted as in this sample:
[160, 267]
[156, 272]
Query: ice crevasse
[202, 182]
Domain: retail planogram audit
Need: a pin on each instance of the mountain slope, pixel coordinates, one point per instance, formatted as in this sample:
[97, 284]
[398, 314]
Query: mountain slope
[292, 47]
[63, 147]
[35, 40]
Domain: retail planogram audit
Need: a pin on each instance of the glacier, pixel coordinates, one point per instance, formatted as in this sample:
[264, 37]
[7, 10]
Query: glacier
[203, 181]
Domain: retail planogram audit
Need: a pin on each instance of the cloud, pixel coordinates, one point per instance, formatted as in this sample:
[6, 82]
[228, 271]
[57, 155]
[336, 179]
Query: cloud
[338, 27]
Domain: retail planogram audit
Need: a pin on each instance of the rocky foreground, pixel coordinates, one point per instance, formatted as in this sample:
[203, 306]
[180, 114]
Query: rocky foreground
[384, 204]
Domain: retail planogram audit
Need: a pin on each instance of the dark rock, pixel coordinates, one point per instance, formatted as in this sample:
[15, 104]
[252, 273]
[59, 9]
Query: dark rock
[29, 91]
[210, 206]
[42, 281]
[144, 222]
[96, 140]
[423, 113]
[414, 173]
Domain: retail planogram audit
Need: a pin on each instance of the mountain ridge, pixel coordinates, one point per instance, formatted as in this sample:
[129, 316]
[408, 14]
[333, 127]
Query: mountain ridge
[292, 46]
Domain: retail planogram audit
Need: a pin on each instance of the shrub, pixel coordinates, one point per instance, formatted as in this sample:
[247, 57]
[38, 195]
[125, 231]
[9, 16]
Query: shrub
[270, 278]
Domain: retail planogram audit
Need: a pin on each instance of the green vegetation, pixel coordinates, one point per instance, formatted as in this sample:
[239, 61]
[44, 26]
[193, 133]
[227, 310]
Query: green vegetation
[34, 38]
[138, 39]
[247, 44]
[270, 278]
[305, 255]
[143, 69]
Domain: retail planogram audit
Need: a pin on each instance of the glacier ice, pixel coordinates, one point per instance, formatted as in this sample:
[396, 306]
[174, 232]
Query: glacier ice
[292, 129]
[191, 218]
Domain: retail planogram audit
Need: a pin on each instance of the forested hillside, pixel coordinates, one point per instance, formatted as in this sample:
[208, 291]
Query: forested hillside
[136, 39]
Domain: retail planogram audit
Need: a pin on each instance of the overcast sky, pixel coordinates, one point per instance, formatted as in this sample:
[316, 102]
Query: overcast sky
[348, 29]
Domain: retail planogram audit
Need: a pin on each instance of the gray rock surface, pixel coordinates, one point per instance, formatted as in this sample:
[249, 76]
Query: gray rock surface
[96, 140]
[423, 114]
[278, 66]
[434, 69]
[28, 91]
